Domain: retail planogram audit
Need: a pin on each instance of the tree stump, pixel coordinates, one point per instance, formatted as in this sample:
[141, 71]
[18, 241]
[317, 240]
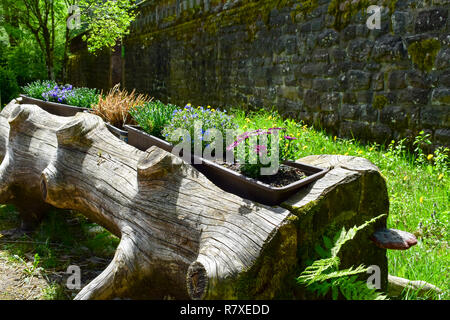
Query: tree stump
[181, 236]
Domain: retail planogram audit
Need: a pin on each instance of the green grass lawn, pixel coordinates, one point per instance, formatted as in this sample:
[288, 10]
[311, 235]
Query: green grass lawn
[418, 185]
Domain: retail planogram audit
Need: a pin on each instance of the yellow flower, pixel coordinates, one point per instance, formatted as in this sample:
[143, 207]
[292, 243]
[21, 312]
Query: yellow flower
[244, 127]
[188, 104]
[421, 199]
[346, 154]
[440, 176]
[360, 152]
[247, 119]
[269, 118]
[371, 149]
[322, 149]
[405, 178]
[335, 138]
[430, 156]
[305, 147]
[213, 110]
[208, 107]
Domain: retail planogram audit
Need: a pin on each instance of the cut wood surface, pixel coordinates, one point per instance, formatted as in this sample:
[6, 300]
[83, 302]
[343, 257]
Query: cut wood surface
[181, 236]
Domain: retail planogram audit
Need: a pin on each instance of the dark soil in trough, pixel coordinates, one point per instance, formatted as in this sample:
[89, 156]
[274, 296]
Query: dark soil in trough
[285, 175]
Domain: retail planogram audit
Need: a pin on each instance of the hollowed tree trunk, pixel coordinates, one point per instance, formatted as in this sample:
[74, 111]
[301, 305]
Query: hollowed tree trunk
[181, 236]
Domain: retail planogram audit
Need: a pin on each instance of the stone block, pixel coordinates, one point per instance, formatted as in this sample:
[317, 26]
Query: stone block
[358, 80]
[431, 20]
[441, 96]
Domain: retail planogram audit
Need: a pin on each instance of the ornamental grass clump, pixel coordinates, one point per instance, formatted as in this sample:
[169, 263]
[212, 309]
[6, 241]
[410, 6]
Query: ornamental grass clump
[263, 149]
[153, 116]
[115, 106]
[206, 127]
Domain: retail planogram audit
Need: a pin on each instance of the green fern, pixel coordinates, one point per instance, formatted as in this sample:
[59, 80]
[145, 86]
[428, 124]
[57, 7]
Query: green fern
[324, 274]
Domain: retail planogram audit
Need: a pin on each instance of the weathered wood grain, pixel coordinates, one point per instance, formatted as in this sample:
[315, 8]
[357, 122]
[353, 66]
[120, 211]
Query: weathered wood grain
[181, 236]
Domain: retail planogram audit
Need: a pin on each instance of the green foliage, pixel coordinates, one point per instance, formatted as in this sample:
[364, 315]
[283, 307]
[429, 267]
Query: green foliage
[183, 126]
[108, 22]
[83, 97]
[324, 274]
[9, 89]
[37, 88]
[153, 116]
[423, 53]
[259, 148]
[419, 142]
[50, 91]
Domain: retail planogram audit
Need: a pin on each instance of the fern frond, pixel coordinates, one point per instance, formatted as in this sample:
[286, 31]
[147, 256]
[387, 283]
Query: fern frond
[324, 274]
[345, 236]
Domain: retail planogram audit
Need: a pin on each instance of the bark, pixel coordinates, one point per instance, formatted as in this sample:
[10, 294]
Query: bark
[181, 236]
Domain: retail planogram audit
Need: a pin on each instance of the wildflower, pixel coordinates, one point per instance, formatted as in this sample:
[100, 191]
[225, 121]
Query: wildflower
[244, 127]
[430, 156]
[289, 137]
[209, 107]
[440, 176]
[321, 150]
[305, 147]
[212, 110]
[261, 150]
[269, 118]
[334, 138]
[405, 178]
[360, 152]
[346, 154]
[247, 119]
[371, 149]
[421, 199]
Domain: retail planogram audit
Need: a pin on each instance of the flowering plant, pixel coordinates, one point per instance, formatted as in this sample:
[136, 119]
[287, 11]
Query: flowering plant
[262, 149]
[153, 116]
[67, 94]
[205, 125]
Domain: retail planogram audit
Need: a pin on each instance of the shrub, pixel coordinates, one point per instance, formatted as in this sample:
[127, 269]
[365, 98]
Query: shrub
[8, 86]
[153, 116]
[210, 120]
[115, 106]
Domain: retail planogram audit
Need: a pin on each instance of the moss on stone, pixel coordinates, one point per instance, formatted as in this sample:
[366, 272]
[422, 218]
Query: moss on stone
[344, 10]
[423, 53]
[379, 102]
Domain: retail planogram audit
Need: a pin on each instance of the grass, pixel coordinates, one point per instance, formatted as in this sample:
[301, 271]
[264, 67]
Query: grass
[418, 186]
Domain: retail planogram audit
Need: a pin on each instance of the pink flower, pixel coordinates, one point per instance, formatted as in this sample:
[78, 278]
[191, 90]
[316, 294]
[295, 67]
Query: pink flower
[290, 138]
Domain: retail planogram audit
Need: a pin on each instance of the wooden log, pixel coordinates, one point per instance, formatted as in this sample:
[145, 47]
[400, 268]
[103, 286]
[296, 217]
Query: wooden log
[398, 285]
[181, 236]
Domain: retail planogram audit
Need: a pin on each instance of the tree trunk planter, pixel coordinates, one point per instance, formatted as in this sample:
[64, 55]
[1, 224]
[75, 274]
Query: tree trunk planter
[121, 134]
[58, 109]
[181, 236]
[65, 110]
[229, 180]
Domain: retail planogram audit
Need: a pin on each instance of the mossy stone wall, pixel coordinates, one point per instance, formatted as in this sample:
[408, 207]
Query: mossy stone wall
[314, 60]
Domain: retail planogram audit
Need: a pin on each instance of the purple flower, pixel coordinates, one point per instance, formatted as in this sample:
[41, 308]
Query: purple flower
[290, 138]
[261, 150]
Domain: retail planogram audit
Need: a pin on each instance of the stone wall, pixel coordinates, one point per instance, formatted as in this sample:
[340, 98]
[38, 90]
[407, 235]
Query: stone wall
[314, 60]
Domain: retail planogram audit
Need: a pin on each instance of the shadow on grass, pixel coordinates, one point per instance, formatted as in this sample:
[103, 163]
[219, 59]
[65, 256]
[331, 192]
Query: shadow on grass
[64, 238]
